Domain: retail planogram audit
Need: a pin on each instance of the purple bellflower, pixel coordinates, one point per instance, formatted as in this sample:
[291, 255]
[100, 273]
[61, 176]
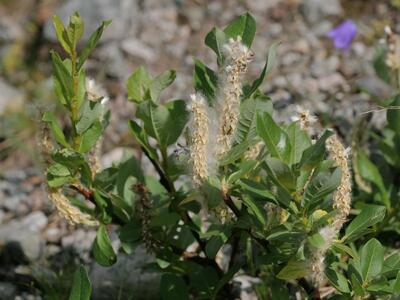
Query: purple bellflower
[343, 35]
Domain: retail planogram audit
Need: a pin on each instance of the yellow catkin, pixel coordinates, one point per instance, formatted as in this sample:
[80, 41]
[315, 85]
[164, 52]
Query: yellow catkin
[199, 131]
[342, 205]
[237, 56]
[342, 195]
[71, 213]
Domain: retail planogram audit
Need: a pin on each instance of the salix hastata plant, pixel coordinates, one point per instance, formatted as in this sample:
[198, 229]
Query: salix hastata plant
[240, 195]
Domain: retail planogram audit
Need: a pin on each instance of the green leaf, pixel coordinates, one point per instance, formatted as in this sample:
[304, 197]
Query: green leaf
[160, 83]
[293, 270]
[61, 34]
[391, 265]
[63, 76]
[165, 219]
[321, 185]
[371, 258]
[204, 281]
[58, 175]
[142, 139]
[244, 168]
[269, 64]
[379, 63]
[58, 170]
[69, 158]
[75, 29]
[205, 80]
[243, 26]
[276, 140]
[90, 112]
[396, 285]
[215, 39]
[256, 189]
[57, 181]
[234, 154]
[299, 140]
[370, 172]
[213, 246]
[357, 287]
[212, 192]
[246, 127]
[256, 208]
[91, 44]
[127, 169]
[90, 136]
[345, 249]
[102, 249]
[81, 287]
[314, 154]
[370, 215]
[48, 117]
[173, 287]
[138, 85]
[281, 174]
[165, 122]
[337, 280]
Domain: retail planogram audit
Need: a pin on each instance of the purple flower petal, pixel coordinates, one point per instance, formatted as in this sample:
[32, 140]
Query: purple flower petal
[343, 35]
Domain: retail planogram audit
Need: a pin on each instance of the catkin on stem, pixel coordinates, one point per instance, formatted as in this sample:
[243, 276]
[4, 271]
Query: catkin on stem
[143, 206]
[237, 56]
[342, 195]
[71, 213]
[199, 144]
[342, 205]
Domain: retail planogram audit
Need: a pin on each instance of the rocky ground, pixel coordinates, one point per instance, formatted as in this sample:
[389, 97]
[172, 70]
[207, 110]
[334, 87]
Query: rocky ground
[35, 244]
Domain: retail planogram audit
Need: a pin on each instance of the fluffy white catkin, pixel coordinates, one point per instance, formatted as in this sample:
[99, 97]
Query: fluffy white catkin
[342, 204]
[237, 56]
[199, 144]
[342, 195]
[71, 213]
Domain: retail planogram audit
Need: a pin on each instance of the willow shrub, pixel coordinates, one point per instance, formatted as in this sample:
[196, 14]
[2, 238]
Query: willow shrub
[240, 195]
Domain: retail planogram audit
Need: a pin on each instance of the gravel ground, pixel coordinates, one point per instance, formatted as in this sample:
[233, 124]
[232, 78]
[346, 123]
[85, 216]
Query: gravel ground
[159, 34]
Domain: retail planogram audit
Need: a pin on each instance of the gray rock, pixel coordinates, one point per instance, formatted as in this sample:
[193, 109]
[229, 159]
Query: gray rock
[375, 86]
[10, 97]
[139, 50]
[126, 278]
[7, 291]
[316, 10]
[14, 175]
[332, 82]
[80, 239]
[26, 232]
[7, 188]
[325, 66]
[123, 13]
[12, 203]
[10, 30]
[114, 61]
